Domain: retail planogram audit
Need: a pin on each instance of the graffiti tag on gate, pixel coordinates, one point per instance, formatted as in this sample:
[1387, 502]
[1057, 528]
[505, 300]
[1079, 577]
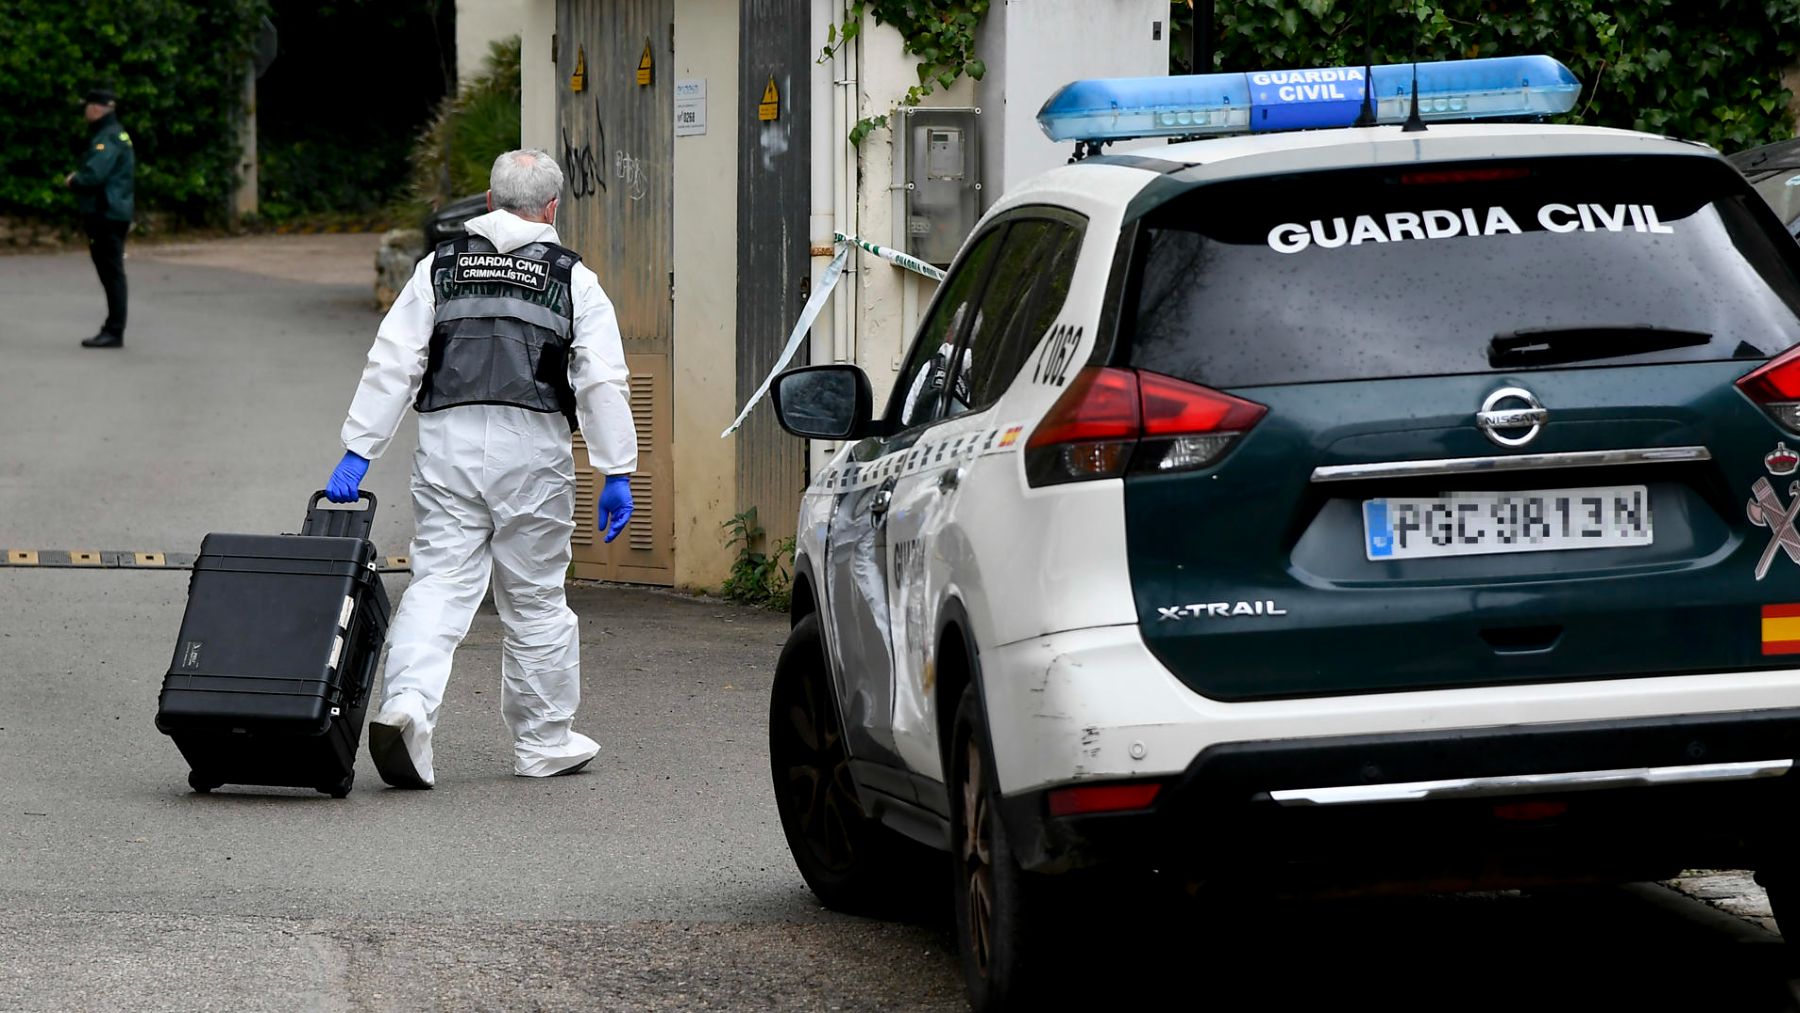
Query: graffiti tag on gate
[582, 168]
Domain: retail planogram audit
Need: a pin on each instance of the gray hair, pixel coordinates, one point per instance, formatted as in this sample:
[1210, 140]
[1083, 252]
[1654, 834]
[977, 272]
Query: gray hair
[524, 181]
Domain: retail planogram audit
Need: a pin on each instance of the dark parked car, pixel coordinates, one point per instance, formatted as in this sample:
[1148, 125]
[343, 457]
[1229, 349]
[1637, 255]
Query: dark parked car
[446, 223]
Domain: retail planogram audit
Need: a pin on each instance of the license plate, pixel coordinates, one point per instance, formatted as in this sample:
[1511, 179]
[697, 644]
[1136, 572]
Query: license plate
[1484, 523]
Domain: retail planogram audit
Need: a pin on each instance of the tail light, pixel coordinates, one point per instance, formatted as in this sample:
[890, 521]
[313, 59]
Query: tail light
[1104, 798]
[1775, 387]
[1113, 420]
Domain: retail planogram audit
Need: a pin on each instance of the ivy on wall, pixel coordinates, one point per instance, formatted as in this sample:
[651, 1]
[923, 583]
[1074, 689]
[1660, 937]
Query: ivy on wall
[940, 33]
[177, 67]
[1705, 70]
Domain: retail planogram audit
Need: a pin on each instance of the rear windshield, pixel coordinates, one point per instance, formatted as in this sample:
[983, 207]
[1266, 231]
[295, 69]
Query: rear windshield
[1445, 269]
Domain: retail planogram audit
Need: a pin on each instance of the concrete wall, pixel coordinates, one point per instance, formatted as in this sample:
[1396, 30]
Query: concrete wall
[888, 299]
[1034, 47]
[1031, 47]
[706, 282]
[479, 22]
[538, 77]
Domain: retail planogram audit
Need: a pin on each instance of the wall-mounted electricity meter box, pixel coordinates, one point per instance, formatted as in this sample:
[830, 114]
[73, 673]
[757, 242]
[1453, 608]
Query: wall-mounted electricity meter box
[940, 161]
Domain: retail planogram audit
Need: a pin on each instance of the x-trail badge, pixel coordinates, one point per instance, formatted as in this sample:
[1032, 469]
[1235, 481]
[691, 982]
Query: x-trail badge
[1511, 417]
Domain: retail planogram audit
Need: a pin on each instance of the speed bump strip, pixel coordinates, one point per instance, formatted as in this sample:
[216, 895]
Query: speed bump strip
[48, 559]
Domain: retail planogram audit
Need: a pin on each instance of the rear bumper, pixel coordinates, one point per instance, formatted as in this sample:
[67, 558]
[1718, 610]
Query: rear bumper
[1094, 706]
[1235, 807]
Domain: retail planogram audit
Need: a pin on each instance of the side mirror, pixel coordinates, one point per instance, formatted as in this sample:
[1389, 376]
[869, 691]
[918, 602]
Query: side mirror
[823, 402]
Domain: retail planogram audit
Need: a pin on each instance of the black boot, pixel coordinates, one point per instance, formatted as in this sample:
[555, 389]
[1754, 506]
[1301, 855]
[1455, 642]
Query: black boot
[105, 340]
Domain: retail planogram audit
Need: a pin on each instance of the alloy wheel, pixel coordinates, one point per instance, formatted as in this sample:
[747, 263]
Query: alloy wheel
[977, 856]
[816, 770]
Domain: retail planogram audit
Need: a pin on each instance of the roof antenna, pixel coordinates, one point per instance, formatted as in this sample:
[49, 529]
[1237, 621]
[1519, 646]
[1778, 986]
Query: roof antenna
[1414, 123]
[1366, 118]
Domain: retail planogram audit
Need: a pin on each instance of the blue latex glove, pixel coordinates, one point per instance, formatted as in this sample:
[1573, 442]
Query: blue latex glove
[615, 505]
[346, 479]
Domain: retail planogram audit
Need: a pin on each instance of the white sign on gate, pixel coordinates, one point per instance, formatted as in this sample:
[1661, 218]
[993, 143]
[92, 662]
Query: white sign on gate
[690, 107]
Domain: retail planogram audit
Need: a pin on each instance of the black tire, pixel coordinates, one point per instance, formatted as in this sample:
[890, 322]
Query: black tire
[1784, 904]
[201, 783]
[846, 858]
[1006, 917]
[342, 788]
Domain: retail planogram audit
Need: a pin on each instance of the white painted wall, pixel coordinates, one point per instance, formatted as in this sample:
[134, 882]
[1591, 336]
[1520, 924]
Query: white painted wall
[479, 22]
[888, 299]
[1034, 47]
[1031, 47]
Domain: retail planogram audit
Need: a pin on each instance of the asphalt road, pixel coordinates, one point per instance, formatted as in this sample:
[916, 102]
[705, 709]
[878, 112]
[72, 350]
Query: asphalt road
[658, 879]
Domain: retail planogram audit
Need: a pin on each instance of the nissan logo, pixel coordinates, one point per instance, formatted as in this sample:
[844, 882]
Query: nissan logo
[1511, 417]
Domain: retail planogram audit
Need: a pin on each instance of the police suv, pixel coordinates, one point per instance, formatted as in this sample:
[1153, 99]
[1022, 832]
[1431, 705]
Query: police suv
[1344, 506]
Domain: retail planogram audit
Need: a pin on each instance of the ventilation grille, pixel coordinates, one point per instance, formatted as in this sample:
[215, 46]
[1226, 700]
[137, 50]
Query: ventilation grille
[641, 530]
[643, 408]
[643, 508]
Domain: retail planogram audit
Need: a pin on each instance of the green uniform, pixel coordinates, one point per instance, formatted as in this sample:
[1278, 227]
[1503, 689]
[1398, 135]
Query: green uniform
[103, 194]
[103, 186]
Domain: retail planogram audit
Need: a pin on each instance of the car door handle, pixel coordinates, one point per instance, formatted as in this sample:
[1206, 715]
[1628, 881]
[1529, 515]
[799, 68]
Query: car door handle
[880, 502]
[950, 480]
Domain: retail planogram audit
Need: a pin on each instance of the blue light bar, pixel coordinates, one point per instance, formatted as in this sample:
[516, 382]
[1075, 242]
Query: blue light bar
[1196, 105]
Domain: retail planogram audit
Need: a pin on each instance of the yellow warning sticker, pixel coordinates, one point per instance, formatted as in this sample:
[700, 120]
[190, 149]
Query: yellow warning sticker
[578, 80]
[21, 557]
[150, 558]
[770, 106]
[84, 557]
[399, 562]
[646, 65]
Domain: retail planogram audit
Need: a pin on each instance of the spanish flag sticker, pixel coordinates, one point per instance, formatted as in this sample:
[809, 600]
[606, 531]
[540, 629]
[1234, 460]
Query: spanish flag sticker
[1781, 629]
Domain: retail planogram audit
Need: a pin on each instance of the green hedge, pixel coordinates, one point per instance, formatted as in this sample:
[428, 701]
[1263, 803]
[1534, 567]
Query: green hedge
[456, 152]
[177, 66]
[1706, 70]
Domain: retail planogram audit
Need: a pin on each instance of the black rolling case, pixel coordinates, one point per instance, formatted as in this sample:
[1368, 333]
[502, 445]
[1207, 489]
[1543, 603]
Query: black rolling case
[275, 662]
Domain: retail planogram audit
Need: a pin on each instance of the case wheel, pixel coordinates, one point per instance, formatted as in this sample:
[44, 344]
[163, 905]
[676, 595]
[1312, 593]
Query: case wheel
[340, 789]
[201, 783]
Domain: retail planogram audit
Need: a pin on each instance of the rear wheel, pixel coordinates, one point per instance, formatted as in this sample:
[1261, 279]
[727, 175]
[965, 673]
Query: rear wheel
[202, 783]
[847, 859]
[1784, 904]
[342, 788]
[1006, 917]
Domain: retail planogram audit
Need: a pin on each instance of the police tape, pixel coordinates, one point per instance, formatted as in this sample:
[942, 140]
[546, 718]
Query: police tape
[894, 257]
[111, 559]
[810, 312]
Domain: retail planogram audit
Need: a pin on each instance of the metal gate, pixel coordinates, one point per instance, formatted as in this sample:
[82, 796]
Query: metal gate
[615, 114]
[774, 248]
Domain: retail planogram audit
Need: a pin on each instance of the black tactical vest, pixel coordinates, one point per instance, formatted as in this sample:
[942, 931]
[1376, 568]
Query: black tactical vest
[504, 326]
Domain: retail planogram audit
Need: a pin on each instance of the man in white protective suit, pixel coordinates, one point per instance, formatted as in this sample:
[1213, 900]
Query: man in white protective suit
[502, 341]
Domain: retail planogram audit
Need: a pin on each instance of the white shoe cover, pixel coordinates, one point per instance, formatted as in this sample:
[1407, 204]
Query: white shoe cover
[395, 746]
[533, 760]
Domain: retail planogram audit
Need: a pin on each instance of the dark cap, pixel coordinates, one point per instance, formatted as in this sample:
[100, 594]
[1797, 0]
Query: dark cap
[100, 96]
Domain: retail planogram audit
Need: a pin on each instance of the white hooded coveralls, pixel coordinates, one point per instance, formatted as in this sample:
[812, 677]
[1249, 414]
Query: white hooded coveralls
[493, 490]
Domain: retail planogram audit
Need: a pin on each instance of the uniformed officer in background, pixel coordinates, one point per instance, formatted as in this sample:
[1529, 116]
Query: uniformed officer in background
[103, 194]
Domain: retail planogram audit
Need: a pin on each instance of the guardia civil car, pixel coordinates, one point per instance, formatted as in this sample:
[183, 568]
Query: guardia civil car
[1347, 507]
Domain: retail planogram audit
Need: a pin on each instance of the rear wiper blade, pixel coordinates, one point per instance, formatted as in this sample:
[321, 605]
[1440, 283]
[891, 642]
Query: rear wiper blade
[1549, 346]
